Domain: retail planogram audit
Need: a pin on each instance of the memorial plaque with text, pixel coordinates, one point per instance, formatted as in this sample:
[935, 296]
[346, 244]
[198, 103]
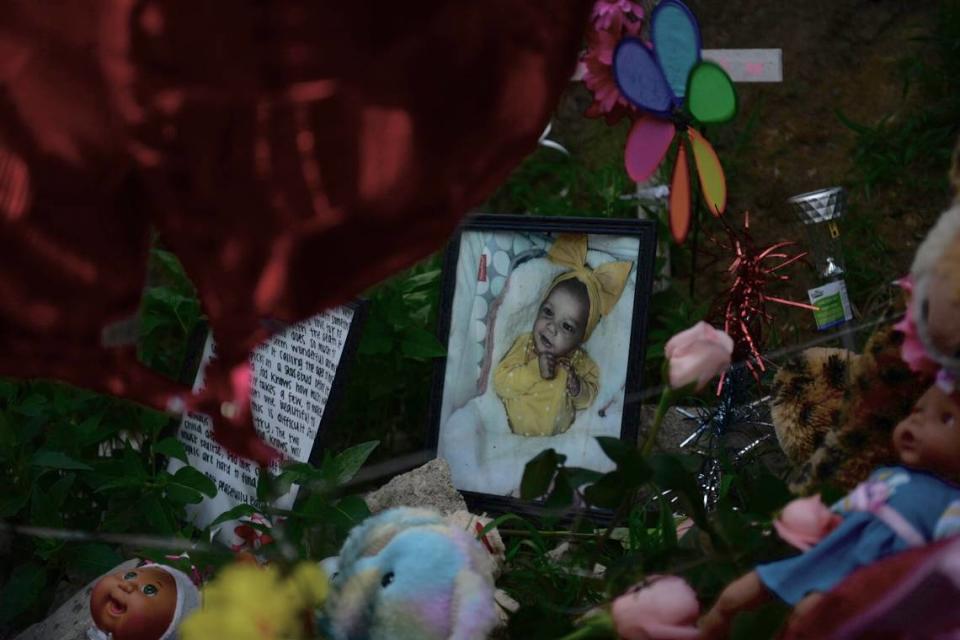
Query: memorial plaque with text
[294, 374]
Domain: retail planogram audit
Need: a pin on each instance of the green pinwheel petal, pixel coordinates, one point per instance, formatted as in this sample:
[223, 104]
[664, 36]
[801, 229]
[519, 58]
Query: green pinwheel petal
[711, 97]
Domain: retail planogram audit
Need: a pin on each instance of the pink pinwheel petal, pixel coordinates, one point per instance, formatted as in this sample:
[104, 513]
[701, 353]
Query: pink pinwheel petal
[647, 143]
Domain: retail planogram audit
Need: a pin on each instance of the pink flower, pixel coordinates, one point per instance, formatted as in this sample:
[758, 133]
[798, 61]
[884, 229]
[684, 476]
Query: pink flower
[665, 609]
[613, 21]
[606, 11]
[805, 522]
[913, 352]
[697, 355]
[251, 537]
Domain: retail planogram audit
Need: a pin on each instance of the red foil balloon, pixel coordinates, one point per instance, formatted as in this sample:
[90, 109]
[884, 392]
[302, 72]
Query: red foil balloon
[290, 153]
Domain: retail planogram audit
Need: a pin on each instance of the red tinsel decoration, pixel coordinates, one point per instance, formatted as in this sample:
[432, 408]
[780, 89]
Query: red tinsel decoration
[744, 302]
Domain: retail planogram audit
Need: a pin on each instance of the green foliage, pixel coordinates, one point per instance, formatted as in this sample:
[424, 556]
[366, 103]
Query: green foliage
[75, 460]
[171, 320]
[21, 591]
[913, 148]
[324, 514]
[71, 459]
[646, 497]
[549, 183]
[900, 163]
[388, 389]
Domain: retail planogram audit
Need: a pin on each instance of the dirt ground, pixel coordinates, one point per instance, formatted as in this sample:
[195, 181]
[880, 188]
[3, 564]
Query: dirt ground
[838, 56]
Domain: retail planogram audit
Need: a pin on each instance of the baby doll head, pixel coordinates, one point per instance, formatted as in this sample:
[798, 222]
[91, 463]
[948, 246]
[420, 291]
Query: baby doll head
[144, 603]
[929, 438]
[561, 322]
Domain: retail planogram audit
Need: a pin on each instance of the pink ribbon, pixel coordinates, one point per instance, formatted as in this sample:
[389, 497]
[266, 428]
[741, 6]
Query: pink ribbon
[871, 496]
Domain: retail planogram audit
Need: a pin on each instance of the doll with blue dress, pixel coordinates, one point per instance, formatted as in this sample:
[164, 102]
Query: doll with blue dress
[897, 508]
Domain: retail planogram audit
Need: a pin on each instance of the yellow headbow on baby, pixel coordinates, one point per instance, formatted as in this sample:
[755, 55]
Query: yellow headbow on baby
[604, 284]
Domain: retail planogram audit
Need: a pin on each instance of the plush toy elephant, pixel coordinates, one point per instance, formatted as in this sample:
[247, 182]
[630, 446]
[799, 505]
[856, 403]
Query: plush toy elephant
[406, 574]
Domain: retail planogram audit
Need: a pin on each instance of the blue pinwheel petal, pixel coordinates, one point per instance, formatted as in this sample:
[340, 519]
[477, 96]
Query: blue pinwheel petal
[639, 77]
[676, 43]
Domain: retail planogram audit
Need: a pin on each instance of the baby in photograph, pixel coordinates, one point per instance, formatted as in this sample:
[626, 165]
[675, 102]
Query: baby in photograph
[547, 376]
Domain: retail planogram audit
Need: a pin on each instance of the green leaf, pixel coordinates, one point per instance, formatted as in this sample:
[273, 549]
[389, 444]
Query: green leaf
[34, 405]
[579, 476]
[422, 280]
[616, 449]
[181, 495]
[375, 340]
[420, 343]
[301, 472]
[93, 559]
[172, 448]
[10, 505]
[57, 460]
[314, 507]
[156, 513]
[239, 511]
[607, 492]
[347, 463]
[561, 496]
[59, 490]
[630, 461]
[8, 390]
[192, 479]
[117, 483]
[538, 474]
[764, 493]
[43, 511]
[351, 511]
[21, 591]
[131, 463]
[93, 431]
[8, 438]
[668, 525]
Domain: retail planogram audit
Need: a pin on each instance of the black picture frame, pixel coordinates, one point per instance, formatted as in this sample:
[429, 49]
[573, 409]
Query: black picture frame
[645, 233]
[360, 308]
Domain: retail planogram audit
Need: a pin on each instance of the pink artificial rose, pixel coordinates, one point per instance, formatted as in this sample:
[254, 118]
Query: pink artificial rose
[805, 522]
[666, 609]
[697, 355]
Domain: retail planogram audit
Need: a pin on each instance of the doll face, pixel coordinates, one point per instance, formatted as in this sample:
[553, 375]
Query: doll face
[562, 319]
[929, 438]
[135, 605]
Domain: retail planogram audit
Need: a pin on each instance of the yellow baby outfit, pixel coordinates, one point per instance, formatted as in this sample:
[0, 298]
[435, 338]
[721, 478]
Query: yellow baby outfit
[539, 407]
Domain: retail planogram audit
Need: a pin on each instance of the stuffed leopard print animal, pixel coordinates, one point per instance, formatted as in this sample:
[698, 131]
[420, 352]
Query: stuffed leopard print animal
[834, 410]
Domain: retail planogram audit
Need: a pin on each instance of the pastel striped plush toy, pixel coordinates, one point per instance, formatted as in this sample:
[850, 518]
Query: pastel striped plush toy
[406, 574]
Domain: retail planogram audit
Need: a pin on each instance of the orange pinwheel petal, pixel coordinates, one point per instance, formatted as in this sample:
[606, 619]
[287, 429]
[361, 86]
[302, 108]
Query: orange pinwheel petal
[680, 197]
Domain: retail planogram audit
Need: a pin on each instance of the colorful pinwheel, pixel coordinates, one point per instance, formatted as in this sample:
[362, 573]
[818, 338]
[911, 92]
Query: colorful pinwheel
[674, 89]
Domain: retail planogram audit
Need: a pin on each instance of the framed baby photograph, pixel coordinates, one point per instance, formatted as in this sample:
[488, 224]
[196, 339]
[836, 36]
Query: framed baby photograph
[544, 321]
